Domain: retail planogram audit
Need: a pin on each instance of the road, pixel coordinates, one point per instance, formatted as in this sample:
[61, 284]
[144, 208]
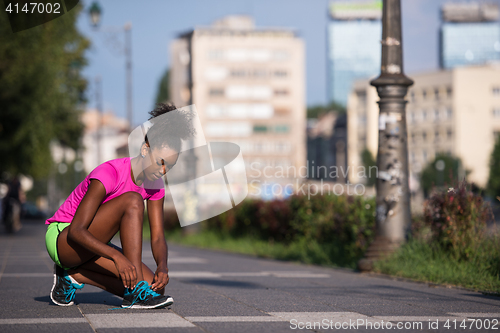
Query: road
[221, 292]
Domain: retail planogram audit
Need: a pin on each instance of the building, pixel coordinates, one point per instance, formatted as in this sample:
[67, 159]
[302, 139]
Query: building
[454, 111]
[354, 52]
[470, 34]
[248, 87]
[103, 136]
[326, 147]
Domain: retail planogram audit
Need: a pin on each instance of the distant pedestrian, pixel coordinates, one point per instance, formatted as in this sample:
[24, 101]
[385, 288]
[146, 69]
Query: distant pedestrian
[12, 206]
[110, 200]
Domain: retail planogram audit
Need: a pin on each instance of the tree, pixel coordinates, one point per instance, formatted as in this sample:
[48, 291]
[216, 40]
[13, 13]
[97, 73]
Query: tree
[370, 165]
[316, 110]
[41, 92]
[444, 170]
[163, 93]
[493, 187]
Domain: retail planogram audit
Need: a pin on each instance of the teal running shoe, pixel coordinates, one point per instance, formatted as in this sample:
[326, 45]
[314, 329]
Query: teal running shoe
[63, 290]
[143, 297]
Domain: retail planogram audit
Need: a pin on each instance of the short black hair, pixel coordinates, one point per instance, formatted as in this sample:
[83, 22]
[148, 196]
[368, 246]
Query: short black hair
[169, 131]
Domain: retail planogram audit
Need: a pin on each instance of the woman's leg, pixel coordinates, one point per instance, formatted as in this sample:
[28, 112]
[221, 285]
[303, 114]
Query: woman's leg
[125, 214]
[99, 272]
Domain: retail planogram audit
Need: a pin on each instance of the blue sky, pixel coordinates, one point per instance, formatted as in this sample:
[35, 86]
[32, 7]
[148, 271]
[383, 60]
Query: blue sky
[156, 22]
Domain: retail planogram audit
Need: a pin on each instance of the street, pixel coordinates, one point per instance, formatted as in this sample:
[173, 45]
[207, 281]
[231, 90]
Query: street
[221, 292]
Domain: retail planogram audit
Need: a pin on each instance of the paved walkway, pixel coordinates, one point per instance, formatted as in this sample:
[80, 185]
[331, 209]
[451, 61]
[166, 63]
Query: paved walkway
[219, 292]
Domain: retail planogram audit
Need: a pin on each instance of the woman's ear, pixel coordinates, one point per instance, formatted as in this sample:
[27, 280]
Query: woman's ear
[144, 150]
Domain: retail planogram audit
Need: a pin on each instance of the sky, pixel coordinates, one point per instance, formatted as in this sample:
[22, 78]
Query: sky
[155, 23]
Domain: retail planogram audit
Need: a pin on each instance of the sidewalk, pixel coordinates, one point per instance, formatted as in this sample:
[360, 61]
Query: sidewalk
[220, 292]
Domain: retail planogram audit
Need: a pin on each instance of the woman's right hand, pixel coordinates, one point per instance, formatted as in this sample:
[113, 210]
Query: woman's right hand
[127, 271]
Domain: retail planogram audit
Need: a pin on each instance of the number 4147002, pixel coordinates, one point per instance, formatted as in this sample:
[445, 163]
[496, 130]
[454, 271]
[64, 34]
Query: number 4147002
[472, 324]
[36, 7]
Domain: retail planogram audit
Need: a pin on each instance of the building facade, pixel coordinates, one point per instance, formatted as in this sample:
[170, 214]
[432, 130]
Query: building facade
[456, 112]
[470, 34]
[354, 52]
[248, 88]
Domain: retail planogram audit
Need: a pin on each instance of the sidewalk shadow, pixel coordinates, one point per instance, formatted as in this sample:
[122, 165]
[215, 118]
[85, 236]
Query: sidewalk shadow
[102, 297]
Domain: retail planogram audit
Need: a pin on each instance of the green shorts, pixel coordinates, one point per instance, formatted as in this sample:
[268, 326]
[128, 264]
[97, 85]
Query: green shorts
[53, 231]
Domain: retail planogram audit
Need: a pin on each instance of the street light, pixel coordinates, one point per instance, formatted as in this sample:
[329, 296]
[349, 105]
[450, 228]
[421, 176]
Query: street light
[95, 12]
[393, 195]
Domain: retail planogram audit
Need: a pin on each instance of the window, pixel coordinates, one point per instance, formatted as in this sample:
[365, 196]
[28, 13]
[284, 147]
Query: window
[259, 147]
[362, 120]
[496, 91]
[436, 136]
[238, 73]
[424, 94]
[449, 113]
[280, 73]
[412, 96]
[436, 115]
[424, 154]
[215, 54]
[280, 92]
[259, 73]
[215, 73]
[216, 92]
[424, 115]
[282, 147]
[436, 94]
[449, 92]
[449, 134]
[412, 137]
[496, 112]
[259, 128]
[281, 128]
[424, 136]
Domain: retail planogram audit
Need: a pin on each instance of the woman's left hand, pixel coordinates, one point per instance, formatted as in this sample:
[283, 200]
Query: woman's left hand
[161, 278]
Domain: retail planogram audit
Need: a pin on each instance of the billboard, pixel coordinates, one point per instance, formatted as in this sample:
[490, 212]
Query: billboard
[352, 10]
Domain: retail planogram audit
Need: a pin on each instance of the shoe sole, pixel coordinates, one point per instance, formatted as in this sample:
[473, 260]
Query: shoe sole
[169, 301]
[52, 291]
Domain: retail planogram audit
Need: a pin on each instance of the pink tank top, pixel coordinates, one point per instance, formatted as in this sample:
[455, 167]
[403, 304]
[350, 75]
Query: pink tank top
[116, 178]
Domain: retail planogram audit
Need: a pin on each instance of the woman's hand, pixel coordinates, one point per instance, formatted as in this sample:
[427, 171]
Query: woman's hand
[127, 271]
[161, 278]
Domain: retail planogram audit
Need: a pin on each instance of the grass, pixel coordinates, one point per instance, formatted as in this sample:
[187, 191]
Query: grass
[420, 261]
[415, 260]
[305, 251]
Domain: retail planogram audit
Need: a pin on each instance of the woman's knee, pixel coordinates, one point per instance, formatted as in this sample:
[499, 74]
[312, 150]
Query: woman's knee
[133, 201]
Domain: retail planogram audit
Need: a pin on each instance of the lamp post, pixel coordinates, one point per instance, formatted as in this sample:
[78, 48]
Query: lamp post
[393, 196]
[95, 17]
[98, 98]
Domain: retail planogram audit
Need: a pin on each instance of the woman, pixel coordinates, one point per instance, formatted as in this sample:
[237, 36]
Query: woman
[111, 199]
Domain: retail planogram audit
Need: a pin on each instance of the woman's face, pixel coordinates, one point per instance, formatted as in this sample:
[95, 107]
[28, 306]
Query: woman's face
[159, 161]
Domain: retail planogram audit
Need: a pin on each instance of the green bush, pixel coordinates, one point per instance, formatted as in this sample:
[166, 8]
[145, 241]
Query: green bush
[326, 229]
[457, 219]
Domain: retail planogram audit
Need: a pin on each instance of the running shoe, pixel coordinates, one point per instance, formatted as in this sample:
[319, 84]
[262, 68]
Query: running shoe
[64, 288]
[143, 297]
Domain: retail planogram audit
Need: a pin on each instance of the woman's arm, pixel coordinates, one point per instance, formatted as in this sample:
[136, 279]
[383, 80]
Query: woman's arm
[158, 243]
[78, 232]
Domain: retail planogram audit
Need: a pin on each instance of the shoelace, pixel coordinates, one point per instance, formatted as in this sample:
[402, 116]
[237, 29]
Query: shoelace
[143, 291]
[70, 292]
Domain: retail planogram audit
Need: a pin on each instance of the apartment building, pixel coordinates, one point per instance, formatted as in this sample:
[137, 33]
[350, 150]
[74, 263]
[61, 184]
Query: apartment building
[248, 87]
[455, 112]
